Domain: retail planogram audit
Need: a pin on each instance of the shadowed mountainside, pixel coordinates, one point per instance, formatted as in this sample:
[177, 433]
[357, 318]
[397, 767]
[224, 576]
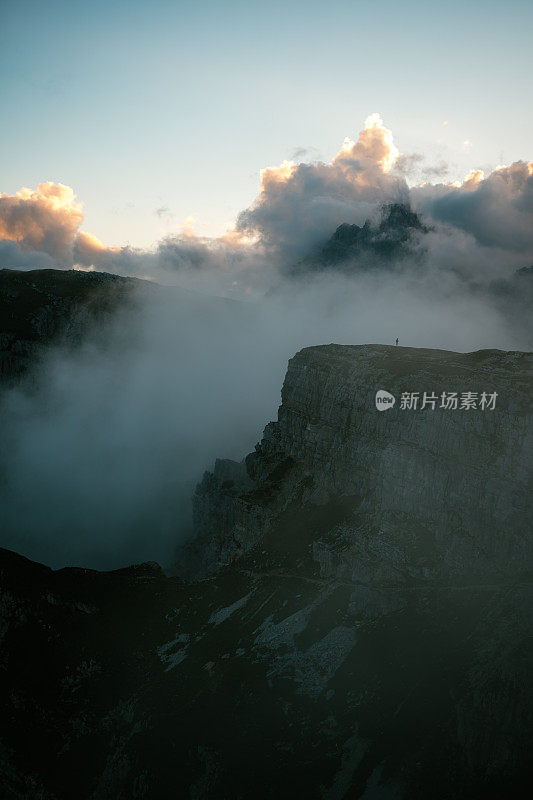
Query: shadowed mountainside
[52, 307]
[45, 306]
[354, 247]
[371, 639]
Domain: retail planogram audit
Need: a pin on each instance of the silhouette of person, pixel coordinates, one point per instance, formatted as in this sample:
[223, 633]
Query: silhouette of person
[396, 341]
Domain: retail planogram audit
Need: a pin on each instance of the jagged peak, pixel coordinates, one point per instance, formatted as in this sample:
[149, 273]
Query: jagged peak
[390, 238]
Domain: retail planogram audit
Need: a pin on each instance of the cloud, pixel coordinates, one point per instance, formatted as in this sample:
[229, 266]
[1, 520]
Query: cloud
[300, 205]
[89, 247]
[12, 257]
[163, 211]
[101, 452]
[414, 166]
[310, 153]
[45, 219]
[409, 164]
[497, 210]
[112, 439]
[439, 170]
[487, 219]
[374, 146]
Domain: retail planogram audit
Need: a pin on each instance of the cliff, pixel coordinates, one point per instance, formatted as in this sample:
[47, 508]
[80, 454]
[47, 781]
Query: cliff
[370, 640]
[46, 306]
[427, 494]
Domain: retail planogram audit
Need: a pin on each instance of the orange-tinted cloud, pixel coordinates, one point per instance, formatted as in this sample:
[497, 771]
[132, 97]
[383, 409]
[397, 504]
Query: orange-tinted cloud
[299, 205]
[374, 147]
[45, 219]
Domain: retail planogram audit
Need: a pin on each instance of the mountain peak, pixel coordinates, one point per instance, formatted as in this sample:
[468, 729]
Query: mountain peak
[352, 247]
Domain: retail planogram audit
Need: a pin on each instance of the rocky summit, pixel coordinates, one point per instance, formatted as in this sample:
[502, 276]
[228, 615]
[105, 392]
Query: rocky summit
[395, 236]
[351, 620]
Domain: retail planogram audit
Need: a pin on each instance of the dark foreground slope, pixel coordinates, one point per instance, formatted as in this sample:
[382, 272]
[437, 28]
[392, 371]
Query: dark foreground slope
[371, 640]
[49, 308]
[44, 306]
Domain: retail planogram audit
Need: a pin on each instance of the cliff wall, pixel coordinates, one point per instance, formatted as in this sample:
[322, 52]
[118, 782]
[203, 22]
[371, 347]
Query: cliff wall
[371, 640]
[430, 493]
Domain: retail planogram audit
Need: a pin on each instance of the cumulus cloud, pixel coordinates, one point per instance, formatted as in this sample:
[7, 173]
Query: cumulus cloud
[45, 219]
[300, 205]
[496, 210]
[484, 219]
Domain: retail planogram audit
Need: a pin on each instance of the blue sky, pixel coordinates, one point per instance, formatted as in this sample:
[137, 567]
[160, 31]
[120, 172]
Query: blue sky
[140, 106]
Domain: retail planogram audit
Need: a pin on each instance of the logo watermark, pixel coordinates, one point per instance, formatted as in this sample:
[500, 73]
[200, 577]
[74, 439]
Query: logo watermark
[384, 400]
[449, 401]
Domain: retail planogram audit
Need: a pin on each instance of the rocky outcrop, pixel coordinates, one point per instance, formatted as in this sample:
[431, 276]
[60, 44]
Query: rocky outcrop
[370, 640]
[434, 493]
[45, 306]
[353, 247]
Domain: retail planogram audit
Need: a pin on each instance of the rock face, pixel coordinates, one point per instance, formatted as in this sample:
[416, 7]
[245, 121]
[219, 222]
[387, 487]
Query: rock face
[42, 306]
[353, 247]
[370, 640]
[435, 493]
[45, 308]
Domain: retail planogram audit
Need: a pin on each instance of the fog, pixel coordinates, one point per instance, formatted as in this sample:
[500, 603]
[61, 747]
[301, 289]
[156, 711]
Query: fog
[103, 450]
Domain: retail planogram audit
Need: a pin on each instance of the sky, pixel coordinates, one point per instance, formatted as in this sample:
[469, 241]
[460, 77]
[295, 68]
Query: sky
[217, 147]
[161, 115]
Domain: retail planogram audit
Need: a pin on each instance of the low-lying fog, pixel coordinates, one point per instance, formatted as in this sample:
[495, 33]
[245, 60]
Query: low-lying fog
[102, 456]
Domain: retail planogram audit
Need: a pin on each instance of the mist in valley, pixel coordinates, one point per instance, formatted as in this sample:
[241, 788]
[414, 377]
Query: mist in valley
[103, 449]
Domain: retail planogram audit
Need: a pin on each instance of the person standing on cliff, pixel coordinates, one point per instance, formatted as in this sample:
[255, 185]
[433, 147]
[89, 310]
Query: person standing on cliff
[396, 341]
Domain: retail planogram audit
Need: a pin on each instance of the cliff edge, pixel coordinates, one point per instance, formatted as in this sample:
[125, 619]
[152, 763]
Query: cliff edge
[358, 623]
[433, 488]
